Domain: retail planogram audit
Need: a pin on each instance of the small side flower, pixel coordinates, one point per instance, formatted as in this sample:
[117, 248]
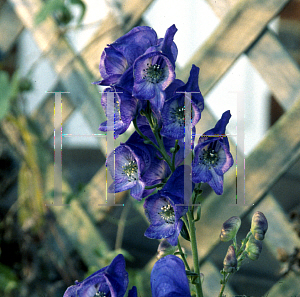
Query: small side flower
[230, 228]
[212, 157]
[230, 261]
[259, 225]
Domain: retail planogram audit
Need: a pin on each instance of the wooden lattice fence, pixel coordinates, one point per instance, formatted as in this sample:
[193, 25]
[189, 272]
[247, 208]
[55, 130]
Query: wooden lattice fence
[243, 30]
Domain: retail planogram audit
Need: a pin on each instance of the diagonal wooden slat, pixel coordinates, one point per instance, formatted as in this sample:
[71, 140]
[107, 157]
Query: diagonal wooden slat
[277, 68]
[270, 58]
[10, 25]
[237, 31]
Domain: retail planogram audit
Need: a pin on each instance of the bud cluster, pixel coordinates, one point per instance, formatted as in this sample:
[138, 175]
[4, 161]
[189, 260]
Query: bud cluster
[251, 246]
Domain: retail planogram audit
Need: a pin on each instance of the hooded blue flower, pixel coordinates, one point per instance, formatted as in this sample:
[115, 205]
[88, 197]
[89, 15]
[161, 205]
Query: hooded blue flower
[212, 157]
[163, 211]
[135, 168]
[125, 110]
[168, 278]
[173, 112]
[118, 57]
[153, 73]
[110, 281]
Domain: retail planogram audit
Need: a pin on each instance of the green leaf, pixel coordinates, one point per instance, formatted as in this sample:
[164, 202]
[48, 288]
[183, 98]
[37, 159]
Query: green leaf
[8, 279]
[5, 90]
[198, 213]
[9, 89]
[48, 8]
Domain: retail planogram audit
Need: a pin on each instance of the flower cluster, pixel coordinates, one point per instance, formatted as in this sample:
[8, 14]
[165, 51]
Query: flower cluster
[251, 246]
[138, 70]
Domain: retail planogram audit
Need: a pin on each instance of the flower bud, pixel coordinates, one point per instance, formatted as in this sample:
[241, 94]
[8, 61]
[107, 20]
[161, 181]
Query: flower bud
[164, 249]
[230, 261]
[230, 228]
[259, 225]
[253, 248]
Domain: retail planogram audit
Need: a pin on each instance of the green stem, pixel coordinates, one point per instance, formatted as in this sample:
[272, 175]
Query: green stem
[243, 244]
[192, 230]
[183, 256]
[154, 186]
[225, 279]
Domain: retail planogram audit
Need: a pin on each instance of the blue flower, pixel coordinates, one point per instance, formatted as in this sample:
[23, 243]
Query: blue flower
[118, 57]
[111, 281]
[168, 278]
[135, 168]
[163, 211]
[153, 73]
[212, 157]
[125, 110]
[173, 112]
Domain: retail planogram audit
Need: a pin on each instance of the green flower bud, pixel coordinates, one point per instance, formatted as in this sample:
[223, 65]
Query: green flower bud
[253, 248]
[259, 225]
[230, 228]
[230, 261]
[172, 150]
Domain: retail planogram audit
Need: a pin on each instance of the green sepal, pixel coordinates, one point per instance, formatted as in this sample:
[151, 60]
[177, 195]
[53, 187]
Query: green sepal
[185, 233]
[147, 141]
[198, 213]
[190, 273]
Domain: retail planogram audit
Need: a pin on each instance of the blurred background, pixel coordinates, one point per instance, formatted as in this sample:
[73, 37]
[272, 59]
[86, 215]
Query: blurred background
[248, 53]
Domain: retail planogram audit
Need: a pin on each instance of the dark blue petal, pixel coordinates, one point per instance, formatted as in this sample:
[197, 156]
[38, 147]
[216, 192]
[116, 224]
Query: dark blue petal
[170, 90]
[225, 160]
[220, 126]
[126, 80]
[175, 184]
[111, 280]
[216, 183]
[112, 62]
[168, 278]
[173, 119]
[133, 292]
[135, 42]
[166, 47]
[137, 191]
[117, 277]
[109, 80]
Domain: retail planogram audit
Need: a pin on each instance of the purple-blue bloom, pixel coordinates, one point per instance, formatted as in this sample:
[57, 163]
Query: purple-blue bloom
[212, 157]
[173, 112]
[168, 278]
[110, 281]
[163, 211]
[118, 57]
[135, 168]
[153, 73]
